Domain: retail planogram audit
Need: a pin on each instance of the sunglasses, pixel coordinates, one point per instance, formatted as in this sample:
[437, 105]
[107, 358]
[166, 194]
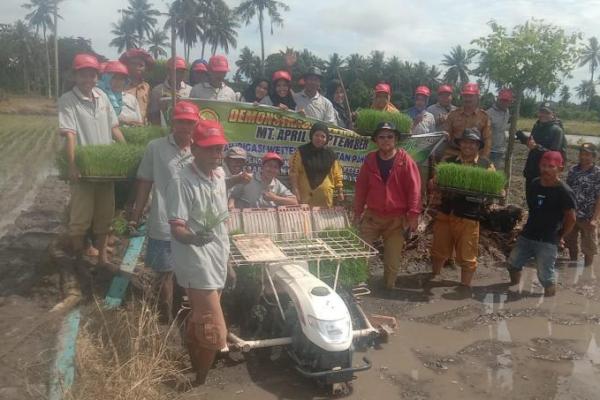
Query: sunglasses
[386, 137]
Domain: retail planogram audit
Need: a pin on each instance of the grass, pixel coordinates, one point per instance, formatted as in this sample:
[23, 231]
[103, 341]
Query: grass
[584, 128]
[126, 354]
[141, 135]
[113, 160]
[468, 178]
[367, 120]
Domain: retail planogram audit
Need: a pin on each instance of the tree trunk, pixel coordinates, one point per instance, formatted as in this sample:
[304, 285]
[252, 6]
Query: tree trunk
[589, 104]
[48, 67]
[262, 42]
[56, 77]
[511, 141]
[203, 48]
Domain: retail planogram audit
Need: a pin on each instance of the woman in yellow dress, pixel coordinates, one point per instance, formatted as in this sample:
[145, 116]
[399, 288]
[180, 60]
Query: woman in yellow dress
[315, 173]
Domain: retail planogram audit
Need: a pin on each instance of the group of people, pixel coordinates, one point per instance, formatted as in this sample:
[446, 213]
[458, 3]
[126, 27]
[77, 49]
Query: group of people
[191, 176]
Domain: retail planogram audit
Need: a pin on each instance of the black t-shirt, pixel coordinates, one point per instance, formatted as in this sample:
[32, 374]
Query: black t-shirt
[547, 206]
[385, 166]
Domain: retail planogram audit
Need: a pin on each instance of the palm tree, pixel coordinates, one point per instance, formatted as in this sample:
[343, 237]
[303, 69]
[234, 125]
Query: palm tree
[157, 41]
[457, 63]
[357, 65]
[565, 95]
[590, 55]
[586, 90]
[143, 16]
[125, 35]
[22, 40]
[334, 64]
[221, 31]
[248, 64]
[249, 8]
[40, 17]
[188, 17]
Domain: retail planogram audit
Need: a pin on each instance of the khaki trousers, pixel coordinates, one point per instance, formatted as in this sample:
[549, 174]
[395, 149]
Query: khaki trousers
[92, 204]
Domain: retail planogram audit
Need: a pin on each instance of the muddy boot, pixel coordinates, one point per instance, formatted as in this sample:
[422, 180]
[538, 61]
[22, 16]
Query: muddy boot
[515, 277]
[466, 276]
[550, 291]
[589, 260]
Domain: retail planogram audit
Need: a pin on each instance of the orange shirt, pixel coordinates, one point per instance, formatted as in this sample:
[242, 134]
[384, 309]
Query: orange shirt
[458, 120]
[142, 93]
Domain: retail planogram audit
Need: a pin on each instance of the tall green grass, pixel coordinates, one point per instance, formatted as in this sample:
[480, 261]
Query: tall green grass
[142, 135]
[112, 160]
[473, 179]
[367, 120]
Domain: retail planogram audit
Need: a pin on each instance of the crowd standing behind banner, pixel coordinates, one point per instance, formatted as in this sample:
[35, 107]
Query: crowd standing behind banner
[184, 174]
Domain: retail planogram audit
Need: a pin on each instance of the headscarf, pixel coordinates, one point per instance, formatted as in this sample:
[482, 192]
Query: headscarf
[389, 107]
[287, 100]
[115, 98]
[317, 162]
[342, 112]
[250, 92]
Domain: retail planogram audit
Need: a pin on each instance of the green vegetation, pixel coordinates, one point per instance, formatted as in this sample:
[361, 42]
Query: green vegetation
[113, 160]
[469, 178]
[352, 271]
[141, 135]
[584, 128]
[367, 120]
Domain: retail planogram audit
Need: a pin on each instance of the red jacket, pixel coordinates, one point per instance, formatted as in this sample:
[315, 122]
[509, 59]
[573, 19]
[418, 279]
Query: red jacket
[400, 195]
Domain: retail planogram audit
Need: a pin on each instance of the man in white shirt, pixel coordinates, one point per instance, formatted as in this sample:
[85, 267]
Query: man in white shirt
[310, 102]
[500, 116]
[215, 88]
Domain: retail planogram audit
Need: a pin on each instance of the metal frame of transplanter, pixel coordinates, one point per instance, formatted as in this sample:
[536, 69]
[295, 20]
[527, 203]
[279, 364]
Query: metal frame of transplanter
[295, 233]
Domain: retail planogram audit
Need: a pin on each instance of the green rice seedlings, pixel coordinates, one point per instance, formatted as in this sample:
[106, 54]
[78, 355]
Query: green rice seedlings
[367, 120]
[142, 135]
[113, 160]
[470, 178]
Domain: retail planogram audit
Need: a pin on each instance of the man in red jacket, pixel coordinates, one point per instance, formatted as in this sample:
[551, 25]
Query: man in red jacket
[387, 201]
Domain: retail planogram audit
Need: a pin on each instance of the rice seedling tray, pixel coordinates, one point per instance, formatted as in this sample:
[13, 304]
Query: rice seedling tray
[104, 178]
[470, 193]
[367, 120]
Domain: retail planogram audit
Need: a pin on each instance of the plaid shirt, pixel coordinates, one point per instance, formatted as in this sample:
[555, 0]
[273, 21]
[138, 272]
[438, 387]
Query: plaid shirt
[586, 186]
[458, 120]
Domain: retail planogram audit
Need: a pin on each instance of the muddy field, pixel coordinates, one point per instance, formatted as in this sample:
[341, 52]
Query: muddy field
[499, 343]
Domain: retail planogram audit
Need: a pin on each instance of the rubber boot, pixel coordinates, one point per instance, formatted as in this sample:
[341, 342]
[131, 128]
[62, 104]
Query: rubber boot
[589, 260]
[466, 276]
[515, 277]
[550, 291]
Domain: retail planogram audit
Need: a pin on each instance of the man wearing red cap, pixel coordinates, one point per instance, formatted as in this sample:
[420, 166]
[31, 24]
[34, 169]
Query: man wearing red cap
[423, 121]
[86, 117]
[137, 62]
[215, 88]
[443, 106]
[197, 210]
[468, 116]
[551, 218]
[499, 118]
[382, 98]
[163, 158]
[264, 190]
[164, 90]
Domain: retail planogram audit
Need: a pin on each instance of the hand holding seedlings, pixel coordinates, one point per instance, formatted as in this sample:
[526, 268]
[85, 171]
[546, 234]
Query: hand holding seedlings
[203, 238]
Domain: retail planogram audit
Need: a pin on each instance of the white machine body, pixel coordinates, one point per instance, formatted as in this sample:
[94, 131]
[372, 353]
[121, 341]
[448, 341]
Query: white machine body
[323, 315]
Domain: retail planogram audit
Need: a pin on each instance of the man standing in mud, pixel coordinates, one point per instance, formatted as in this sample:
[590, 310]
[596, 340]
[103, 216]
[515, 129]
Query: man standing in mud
[197, 209]
[86, 117]
[551, 219]
[584, 180]
[163, 158]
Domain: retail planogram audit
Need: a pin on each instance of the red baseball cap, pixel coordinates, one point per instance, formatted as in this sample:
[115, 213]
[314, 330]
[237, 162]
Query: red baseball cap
[179, 63]
[209, 133]
[185, 110]
[553, 158]
[137, 53]
[470, 88]
[85, 60]
[281, 75]
[218, 63]
[424, 90]
[200, 67]
[505, 94]
[445, 89]
[271, 155]
[383, 88]
[115, 67]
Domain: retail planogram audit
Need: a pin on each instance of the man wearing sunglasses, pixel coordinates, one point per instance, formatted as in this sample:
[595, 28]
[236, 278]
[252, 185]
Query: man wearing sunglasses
[387, 201]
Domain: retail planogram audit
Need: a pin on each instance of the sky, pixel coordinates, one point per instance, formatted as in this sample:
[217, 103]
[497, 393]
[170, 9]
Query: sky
[417, 30]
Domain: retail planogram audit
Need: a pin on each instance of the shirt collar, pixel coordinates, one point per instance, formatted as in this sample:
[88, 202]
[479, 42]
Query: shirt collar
[171, 140]
[495, 107]
[167, 84]
[316, 96]
[209, 178]
[475, 161]
[464, 112]
[81, 96]
[207, 85]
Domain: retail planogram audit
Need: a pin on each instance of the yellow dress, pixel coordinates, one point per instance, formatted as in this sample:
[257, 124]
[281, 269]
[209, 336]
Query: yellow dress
[321, 196]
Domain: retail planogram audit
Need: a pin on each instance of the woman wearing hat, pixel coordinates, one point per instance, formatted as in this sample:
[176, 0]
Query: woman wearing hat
[387, 200]
[456, 227]
[281, 91]
[315, 172]
[113, 82]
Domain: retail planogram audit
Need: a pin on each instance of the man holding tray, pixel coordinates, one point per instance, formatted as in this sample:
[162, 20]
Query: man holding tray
[86, 117]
